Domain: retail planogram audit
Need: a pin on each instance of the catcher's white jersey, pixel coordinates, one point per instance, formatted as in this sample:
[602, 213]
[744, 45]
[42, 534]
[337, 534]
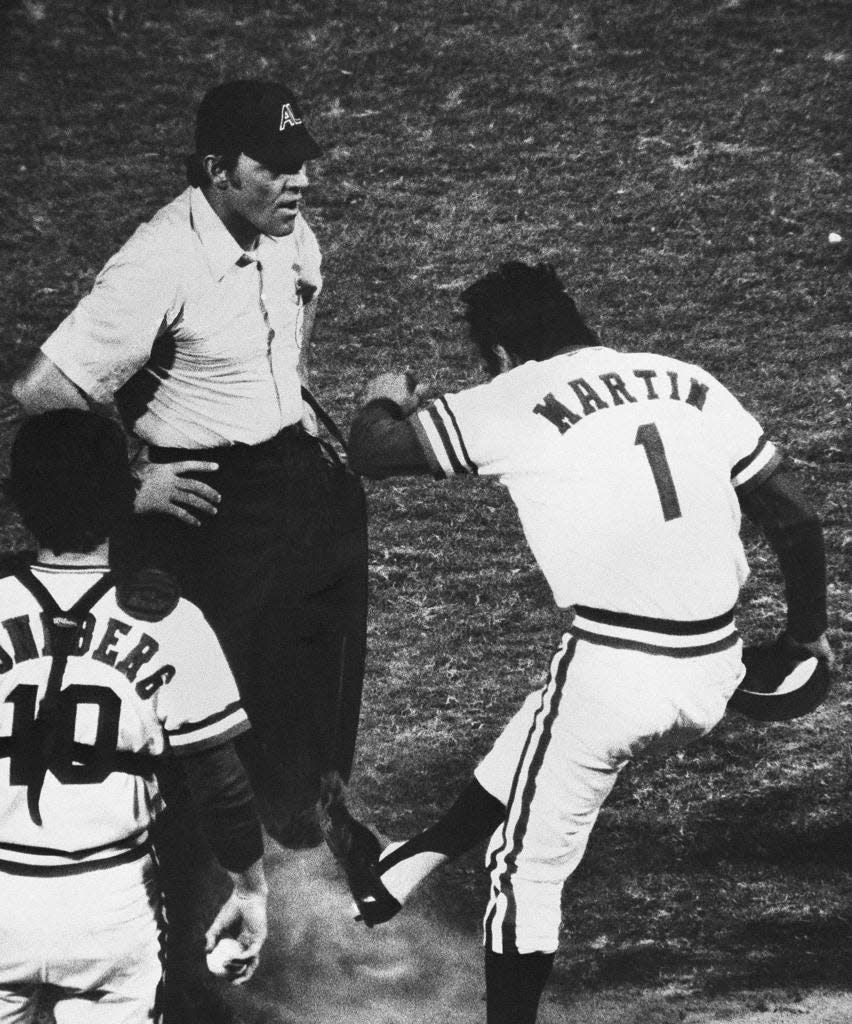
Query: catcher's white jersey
[624, 468]
[131, 689]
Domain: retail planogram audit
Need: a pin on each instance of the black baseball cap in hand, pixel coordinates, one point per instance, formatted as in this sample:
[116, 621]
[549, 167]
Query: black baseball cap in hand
[258, 118]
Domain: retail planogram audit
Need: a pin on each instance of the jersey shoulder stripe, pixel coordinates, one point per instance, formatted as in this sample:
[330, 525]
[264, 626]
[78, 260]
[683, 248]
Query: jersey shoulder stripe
[444, 437]
[755, 467]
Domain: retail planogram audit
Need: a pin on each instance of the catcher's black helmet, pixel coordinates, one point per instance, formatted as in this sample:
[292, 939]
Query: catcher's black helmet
[779, 684]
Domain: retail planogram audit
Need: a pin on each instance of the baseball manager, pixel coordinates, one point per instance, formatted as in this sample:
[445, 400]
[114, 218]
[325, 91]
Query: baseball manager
[630, 473]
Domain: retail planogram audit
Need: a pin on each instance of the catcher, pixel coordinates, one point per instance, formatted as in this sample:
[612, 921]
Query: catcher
[102, 677]
[630, 472]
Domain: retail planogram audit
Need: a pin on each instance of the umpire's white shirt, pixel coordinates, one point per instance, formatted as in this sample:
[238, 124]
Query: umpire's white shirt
[199, 343]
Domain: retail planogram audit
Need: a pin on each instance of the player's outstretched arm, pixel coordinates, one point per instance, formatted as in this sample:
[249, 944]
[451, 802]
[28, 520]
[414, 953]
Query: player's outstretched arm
[382, 442]
[795, 533]
[221, 791]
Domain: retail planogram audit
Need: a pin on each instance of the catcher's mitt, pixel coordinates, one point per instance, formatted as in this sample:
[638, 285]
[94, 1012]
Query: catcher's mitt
[779, 683]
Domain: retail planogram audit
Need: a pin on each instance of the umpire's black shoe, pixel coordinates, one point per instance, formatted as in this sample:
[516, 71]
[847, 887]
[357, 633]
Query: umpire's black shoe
[357, 849]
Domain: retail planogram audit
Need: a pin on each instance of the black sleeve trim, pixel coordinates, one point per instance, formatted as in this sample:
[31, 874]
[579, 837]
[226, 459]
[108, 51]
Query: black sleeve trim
[221, 791]
[794, 531]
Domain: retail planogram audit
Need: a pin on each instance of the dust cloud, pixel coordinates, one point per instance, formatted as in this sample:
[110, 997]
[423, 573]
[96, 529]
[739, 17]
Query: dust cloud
[320, 966]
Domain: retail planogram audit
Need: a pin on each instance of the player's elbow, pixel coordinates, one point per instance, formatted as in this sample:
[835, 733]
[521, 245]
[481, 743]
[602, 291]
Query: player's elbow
[382, 443]
[802, 517]
[811, 519]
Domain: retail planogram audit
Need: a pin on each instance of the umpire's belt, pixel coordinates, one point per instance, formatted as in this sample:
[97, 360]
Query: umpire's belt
[673, 637]
[283, 441]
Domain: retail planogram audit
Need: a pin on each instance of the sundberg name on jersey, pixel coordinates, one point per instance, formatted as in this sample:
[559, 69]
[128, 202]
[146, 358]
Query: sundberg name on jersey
[95, 640]
[589, 398]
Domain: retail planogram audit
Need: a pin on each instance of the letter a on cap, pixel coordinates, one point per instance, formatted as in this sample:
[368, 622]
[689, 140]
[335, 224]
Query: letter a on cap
[288, 118]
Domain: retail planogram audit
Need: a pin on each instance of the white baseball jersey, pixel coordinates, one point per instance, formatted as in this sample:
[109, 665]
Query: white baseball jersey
[624, 468]
[131, 689]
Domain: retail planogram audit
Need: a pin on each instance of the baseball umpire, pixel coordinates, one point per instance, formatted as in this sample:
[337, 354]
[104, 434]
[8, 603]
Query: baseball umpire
[101, 676]
[198, 328]
[629, 472]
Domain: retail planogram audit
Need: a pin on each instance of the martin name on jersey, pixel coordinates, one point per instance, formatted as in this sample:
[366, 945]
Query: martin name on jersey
[80, 793]
[648, 454]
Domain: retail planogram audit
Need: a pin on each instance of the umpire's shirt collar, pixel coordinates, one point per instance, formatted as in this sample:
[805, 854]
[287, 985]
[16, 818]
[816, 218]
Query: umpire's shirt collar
[218, 244]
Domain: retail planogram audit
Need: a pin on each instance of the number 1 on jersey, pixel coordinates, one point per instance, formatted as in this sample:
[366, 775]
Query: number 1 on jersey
[649, 437]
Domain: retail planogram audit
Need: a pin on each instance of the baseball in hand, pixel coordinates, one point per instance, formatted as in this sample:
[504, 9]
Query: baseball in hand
[225, 959]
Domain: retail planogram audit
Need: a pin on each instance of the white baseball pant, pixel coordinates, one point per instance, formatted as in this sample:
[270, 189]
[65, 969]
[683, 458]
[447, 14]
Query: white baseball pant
[95, 938]
[557, 760]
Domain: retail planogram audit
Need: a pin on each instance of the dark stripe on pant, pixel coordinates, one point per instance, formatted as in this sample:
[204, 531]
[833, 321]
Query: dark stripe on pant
[492, 863]
[162, 930]
[519, 833]
[516, 780]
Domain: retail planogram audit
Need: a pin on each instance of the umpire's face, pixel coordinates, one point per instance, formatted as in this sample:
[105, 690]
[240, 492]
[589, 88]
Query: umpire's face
[265, 198]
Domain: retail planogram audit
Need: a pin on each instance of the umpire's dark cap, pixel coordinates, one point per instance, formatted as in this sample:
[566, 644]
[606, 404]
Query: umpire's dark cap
[261, 119]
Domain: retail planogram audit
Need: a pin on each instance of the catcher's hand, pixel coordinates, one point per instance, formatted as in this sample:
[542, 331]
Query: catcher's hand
[243, 917]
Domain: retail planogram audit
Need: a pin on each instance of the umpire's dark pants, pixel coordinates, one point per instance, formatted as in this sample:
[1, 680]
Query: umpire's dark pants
[280, 572]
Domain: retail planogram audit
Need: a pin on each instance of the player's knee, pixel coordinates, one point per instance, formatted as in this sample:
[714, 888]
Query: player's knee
[525, 921]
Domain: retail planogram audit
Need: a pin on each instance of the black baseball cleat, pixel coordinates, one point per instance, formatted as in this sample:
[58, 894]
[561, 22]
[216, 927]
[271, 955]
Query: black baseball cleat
[357, 849]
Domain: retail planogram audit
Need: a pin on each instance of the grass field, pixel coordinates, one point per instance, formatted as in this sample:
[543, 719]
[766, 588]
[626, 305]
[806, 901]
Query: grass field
[682, 163]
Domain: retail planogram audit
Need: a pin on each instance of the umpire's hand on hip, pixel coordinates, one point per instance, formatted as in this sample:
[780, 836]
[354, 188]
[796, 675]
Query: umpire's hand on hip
[165, 487]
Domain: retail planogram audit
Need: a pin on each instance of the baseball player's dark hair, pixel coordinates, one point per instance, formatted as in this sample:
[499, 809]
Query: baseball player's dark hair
[526, 310]
[70, 479]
